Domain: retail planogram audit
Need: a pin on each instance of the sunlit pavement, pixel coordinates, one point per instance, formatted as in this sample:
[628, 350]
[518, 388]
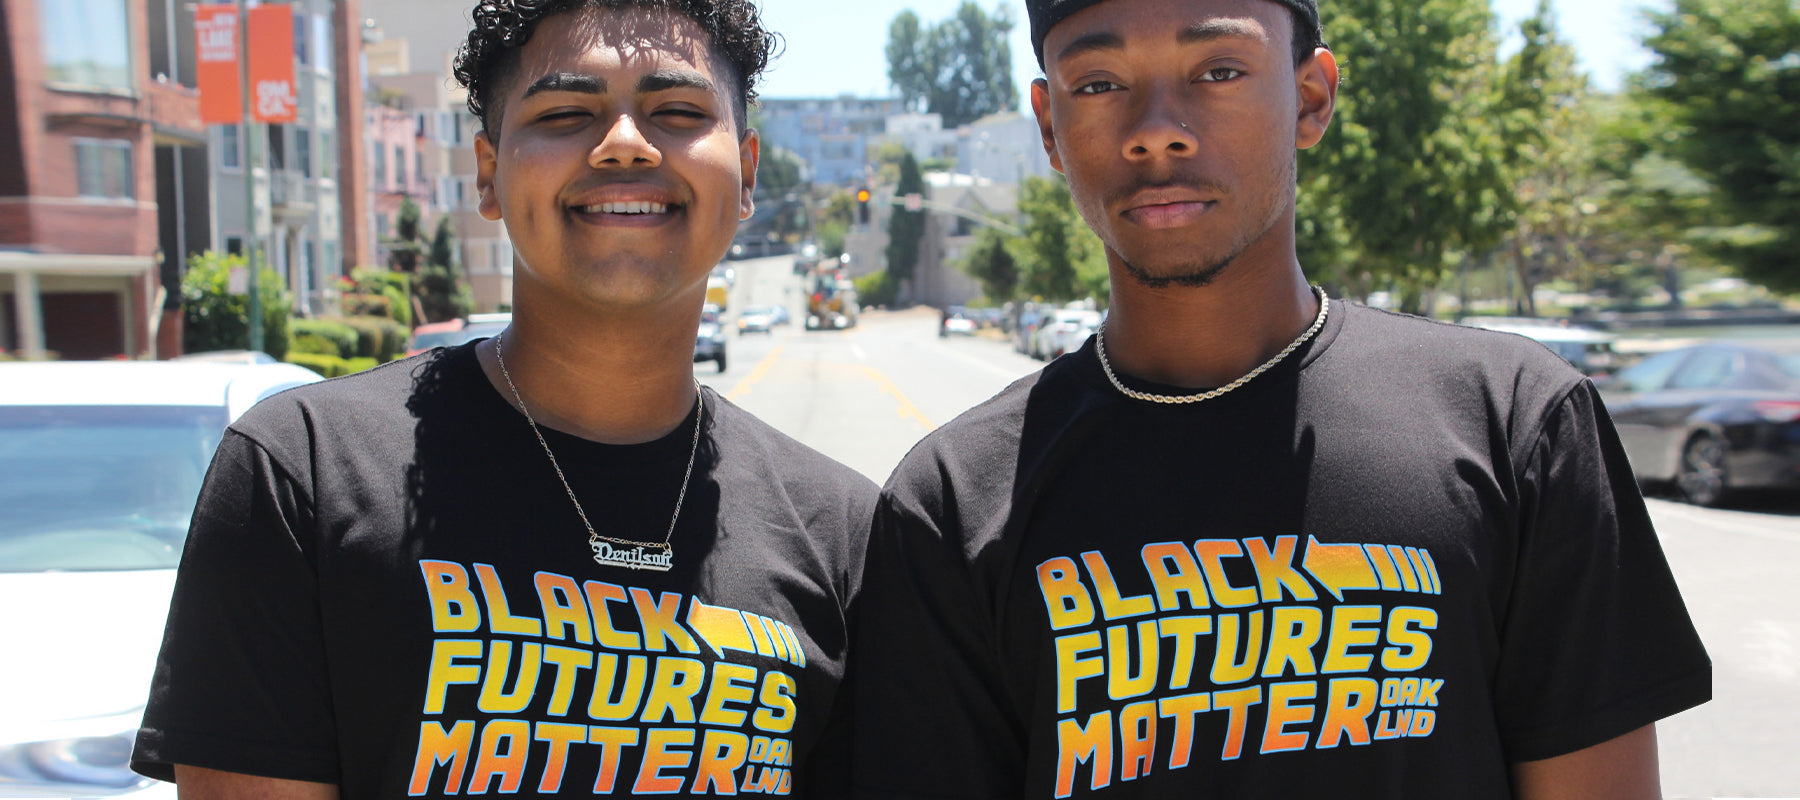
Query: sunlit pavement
[866, 395]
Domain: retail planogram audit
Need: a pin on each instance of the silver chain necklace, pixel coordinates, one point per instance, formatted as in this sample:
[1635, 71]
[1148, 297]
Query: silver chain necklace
[1169, 399]
[658, 556]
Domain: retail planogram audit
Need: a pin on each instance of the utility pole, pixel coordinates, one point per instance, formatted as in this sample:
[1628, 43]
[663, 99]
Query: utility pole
[252, 241]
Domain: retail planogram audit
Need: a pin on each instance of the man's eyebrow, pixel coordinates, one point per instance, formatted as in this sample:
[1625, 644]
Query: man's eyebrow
[664, 80]
[566, 82]
[1099, 40]
[1213, 29]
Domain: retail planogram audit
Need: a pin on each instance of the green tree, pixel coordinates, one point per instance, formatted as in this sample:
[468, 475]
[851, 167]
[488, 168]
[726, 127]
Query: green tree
[991, 262]
[404, 253]
[215, 318]
[1413, 165]
[906, 229]
[834, 221]
[1651, 211]
[443, 244]
[960, 68]
[1728, 75]
[1059, 256]
[1546, 121]
[438, 286]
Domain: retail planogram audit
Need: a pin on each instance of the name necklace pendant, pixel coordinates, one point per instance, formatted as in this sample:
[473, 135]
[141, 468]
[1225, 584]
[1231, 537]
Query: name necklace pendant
[611, 551]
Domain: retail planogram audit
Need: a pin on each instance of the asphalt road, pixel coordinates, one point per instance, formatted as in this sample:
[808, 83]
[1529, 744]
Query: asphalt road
[866, 395]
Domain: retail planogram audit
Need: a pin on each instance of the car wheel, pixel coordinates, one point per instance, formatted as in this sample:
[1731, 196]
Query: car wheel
[720, 361]
[1700, 479]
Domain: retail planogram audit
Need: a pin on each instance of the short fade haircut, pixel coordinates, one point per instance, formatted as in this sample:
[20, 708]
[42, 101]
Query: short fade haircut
[502, 27]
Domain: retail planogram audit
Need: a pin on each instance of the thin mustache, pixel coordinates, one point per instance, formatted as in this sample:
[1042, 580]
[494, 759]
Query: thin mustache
[1201, 185]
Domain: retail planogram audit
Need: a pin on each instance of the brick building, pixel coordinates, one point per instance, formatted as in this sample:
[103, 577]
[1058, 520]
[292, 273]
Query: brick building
[81, 122]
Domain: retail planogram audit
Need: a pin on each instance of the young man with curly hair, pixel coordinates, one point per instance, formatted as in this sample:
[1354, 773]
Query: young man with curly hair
[549, 562]
[1251, 541]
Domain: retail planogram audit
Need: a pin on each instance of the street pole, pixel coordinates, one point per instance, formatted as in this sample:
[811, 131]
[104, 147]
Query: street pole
[252, 243]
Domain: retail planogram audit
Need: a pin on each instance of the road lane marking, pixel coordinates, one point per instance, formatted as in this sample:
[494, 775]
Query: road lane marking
[757, 374]
[859, 353]
[905, 409]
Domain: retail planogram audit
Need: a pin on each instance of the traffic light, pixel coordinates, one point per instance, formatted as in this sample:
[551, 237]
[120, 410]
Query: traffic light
[862, 205]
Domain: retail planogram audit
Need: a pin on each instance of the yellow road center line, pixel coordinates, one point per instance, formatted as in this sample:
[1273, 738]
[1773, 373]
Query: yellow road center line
[756, 374]
[906, 409]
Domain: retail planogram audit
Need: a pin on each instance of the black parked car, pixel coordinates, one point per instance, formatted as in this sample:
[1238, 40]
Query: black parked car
[1710, 419]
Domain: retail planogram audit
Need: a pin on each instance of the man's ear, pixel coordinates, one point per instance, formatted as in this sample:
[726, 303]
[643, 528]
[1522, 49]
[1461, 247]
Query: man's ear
[1317, 82]
[749, 155]
[1040, 105]
[487, 161]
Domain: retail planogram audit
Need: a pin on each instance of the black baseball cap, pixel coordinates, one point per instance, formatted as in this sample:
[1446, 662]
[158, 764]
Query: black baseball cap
[1046, 13]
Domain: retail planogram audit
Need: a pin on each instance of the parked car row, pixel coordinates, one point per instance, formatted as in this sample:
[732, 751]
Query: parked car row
[1045, 334]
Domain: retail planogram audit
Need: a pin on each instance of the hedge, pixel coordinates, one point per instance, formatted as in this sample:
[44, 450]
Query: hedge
[324, 337]
[330, 366]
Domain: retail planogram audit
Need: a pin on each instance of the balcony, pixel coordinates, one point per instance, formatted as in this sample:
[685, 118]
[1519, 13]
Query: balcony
[292, 194]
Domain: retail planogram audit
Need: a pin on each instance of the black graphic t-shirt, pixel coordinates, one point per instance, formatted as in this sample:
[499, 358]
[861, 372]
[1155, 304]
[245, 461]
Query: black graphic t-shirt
[387, 588]
[1406, 557]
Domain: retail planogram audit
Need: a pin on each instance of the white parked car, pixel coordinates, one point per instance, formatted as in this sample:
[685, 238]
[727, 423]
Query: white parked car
[1067, 331]
[100, 466]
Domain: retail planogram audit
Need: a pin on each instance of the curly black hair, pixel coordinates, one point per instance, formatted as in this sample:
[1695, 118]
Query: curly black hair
[502, 27]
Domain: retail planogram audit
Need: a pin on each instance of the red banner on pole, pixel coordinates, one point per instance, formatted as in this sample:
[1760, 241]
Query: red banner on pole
[216, 64]
[272, 94]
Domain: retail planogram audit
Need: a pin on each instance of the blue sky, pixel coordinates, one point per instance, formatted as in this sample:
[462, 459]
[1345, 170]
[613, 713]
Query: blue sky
[835, 46]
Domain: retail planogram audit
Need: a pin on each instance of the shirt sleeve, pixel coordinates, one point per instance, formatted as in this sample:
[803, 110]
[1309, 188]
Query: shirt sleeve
[240, 684]
[931, 715]
[1596, 641]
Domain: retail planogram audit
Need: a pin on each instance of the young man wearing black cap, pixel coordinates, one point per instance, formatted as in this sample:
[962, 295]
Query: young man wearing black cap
[1251, 541]
[546, 563]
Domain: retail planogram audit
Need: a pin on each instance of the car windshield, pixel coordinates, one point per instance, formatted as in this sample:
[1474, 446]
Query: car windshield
[90, 488]
[1790, 364]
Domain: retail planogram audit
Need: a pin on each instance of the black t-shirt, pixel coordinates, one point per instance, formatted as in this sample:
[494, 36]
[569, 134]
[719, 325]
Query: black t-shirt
[387, 588]
[1388, 567]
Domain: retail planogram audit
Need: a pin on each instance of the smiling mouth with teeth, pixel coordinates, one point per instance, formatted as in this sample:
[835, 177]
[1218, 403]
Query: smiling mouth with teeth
[625, 208]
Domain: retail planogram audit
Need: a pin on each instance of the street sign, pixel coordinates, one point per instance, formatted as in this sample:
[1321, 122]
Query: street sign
[915, 201]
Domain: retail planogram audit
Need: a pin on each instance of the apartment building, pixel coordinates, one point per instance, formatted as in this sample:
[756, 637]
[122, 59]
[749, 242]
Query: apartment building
[306, 202]
[89, 116]
[836, 136]
[442, 168]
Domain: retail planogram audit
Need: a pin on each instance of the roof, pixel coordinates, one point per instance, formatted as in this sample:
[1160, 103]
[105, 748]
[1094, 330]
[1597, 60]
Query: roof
[146, 383]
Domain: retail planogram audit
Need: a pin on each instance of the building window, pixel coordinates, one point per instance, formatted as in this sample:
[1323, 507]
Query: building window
[321, 42]
[303, 151]
[87, 43]
[400, 167]
[380, 165]
[301, 29]
[327, 157]
[103, 168]
[231, 153]
[234, 245]
[278, 147]
[419, 165]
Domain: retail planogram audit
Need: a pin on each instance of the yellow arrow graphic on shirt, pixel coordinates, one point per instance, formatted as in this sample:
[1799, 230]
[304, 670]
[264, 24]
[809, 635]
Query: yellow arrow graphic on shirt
[722, 628]
[1338, 567]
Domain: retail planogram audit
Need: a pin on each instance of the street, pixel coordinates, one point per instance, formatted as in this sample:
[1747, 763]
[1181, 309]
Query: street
[866, 395]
